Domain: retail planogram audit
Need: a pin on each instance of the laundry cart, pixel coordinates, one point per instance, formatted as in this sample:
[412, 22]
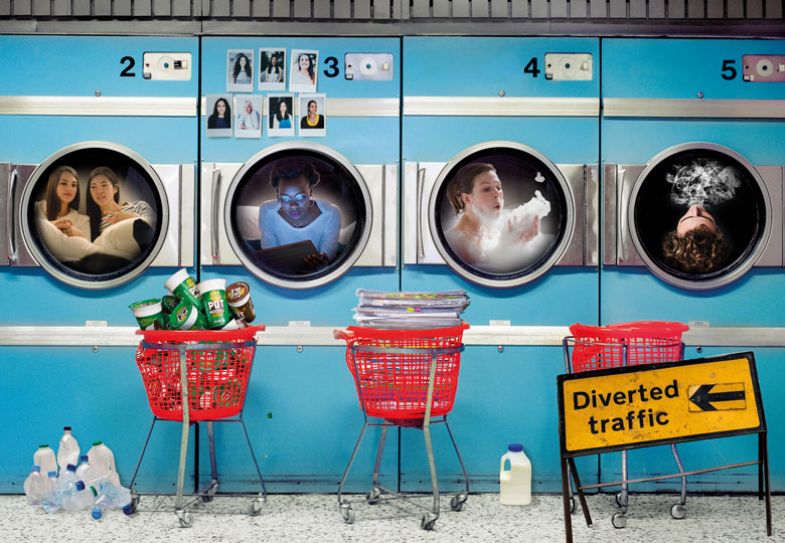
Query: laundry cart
[406, 378]
[211, 368]
[623, 345]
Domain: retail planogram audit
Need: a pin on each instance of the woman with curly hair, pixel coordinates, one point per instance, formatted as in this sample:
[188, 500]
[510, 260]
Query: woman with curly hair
[697, 245]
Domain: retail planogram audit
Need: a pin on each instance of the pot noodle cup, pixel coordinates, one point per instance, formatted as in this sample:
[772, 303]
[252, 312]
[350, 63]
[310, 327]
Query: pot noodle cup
[234, 324]
[239, 297]
[216, 309]
[147, 313]
[184, 287]
[168, 303]
[186, 316]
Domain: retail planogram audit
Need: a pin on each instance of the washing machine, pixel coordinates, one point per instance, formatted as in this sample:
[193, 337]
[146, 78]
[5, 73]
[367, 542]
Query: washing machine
[692, 146]
[500, 189]
[97, 203]
[306, 214]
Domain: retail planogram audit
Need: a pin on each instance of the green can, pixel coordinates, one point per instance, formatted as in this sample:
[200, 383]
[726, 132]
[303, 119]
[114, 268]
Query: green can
[184, 287]
[186, 316]
[216, 309]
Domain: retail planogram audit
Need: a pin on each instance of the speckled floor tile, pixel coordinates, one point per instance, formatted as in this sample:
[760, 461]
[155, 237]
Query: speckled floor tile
[315, 518]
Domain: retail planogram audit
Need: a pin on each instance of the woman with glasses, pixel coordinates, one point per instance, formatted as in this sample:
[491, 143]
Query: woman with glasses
[296, 216]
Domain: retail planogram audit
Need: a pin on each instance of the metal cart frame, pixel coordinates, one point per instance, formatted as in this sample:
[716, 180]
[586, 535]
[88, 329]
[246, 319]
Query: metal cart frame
[623, 335]
[183, 345]
[378, 493]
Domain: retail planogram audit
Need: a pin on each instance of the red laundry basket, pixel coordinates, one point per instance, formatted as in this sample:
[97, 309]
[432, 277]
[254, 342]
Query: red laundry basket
[394, 385]
[643, 342]
[218, 366]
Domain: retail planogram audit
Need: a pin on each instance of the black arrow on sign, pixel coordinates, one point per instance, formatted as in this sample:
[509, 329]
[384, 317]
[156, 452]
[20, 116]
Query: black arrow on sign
[703, 397]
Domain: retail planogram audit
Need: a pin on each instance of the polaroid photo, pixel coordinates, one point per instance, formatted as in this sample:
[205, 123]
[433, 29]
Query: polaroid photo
[281, 117]
[218, 112]
[313, 115]
[272, 69]
[247, 116]
[239, 70]
[304, 70]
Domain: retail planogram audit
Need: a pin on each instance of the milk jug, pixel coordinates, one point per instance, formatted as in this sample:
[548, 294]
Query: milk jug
[515, 477]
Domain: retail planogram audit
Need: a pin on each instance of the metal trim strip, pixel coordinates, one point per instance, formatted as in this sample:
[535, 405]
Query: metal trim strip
[125, 336]
[508, 106]
[351, 107]
[114, 106]
[693, 108]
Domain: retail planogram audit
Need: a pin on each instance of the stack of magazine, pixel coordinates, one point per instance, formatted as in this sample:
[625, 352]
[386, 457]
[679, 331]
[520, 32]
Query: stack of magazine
[403, 310]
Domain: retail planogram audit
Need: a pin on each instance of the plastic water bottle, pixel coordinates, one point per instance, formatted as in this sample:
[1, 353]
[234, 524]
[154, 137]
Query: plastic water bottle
[119, 497]
[515, 477]
[51, 502]
[80, 500]
[84, 472]
[101, 504]
[45, 457]
[35, 486]
[68, 450]
[101, 460]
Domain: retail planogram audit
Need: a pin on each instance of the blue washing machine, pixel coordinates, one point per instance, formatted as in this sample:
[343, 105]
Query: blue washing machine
[299, 198]
[692, 145]
[97, 203]
[500, 139]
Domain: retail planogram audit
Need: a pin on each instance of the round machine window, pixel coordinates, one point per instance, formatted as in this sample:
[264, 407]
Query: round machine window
[699, 214]
[298, 216]
[95, 215]
[501, 215]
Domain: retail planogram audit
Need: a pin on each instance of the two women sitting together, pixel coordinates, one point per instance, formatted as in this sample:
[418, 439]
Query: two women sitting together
[111, 227]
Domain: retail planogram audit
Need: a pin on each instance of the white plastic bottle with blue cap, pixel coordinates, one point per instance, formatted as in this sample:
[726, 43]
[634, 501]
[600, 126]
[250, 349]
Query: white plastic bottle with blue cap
[515, 477]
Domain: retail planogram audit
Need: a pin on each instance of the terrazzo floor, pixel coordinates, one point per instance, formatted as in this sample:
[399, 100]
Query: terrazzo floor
[315, 518]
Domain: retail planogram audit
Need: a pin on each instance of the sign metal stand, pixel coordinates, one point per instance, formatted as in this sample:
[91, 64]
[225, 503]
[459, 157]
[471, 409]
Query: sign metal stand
[618, 409]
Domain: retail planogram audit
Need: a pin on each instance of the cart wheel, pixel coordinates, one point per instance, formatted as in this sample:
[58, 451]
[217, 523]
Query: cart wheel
[347, 513]
[428, 521]
[457, 502]
[622, 499]
[134, 503]
[678, 511]
[209, 494]
[619, 520]
[372, 497]
[185, 519]
[256, 507]
[572, 504]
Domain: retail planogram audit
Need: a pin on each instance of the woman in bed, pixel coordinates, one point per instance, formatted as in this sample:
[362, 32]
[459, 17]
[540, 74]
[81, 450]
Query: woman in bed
[61, 203]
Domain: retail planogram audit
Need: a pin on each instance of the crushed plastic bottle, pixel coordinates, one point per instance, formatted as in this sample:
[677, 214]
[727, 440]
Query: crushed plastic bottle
[68, 449]
[102, 504]
[84, 471]
[51, 502]
[81, 499]
[35, 486]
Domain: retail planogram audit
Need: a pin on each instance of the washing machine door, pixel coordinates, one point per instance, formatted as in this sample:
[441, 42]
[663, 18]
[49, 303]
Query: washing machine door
[94, 215]
[700, 216]
[501, 214]
[298, 215]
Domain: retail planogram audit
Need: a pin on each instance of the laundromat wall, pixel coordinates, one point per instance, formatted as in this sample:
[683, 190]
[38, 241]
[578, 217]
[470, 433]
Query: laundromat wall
[67, 352]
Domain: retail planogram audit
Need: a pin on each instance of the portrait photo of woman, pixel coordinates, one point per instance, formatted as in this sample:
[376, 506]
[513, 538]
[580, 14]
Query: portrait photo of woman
[248, 117]
[239, 70]
[281, 115]
[304, 71]
[219, 122]
[272, 69]
[313, 119]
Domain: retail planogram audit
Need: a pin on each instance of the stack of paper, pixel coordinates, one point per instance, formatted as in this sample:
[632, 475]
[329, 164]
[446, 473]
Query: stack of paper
[378, 309]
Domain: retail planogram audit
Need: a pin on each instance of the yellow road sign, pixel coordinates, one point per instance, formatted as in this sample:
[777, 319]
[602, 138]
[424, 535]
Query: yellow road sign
[666, 402]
